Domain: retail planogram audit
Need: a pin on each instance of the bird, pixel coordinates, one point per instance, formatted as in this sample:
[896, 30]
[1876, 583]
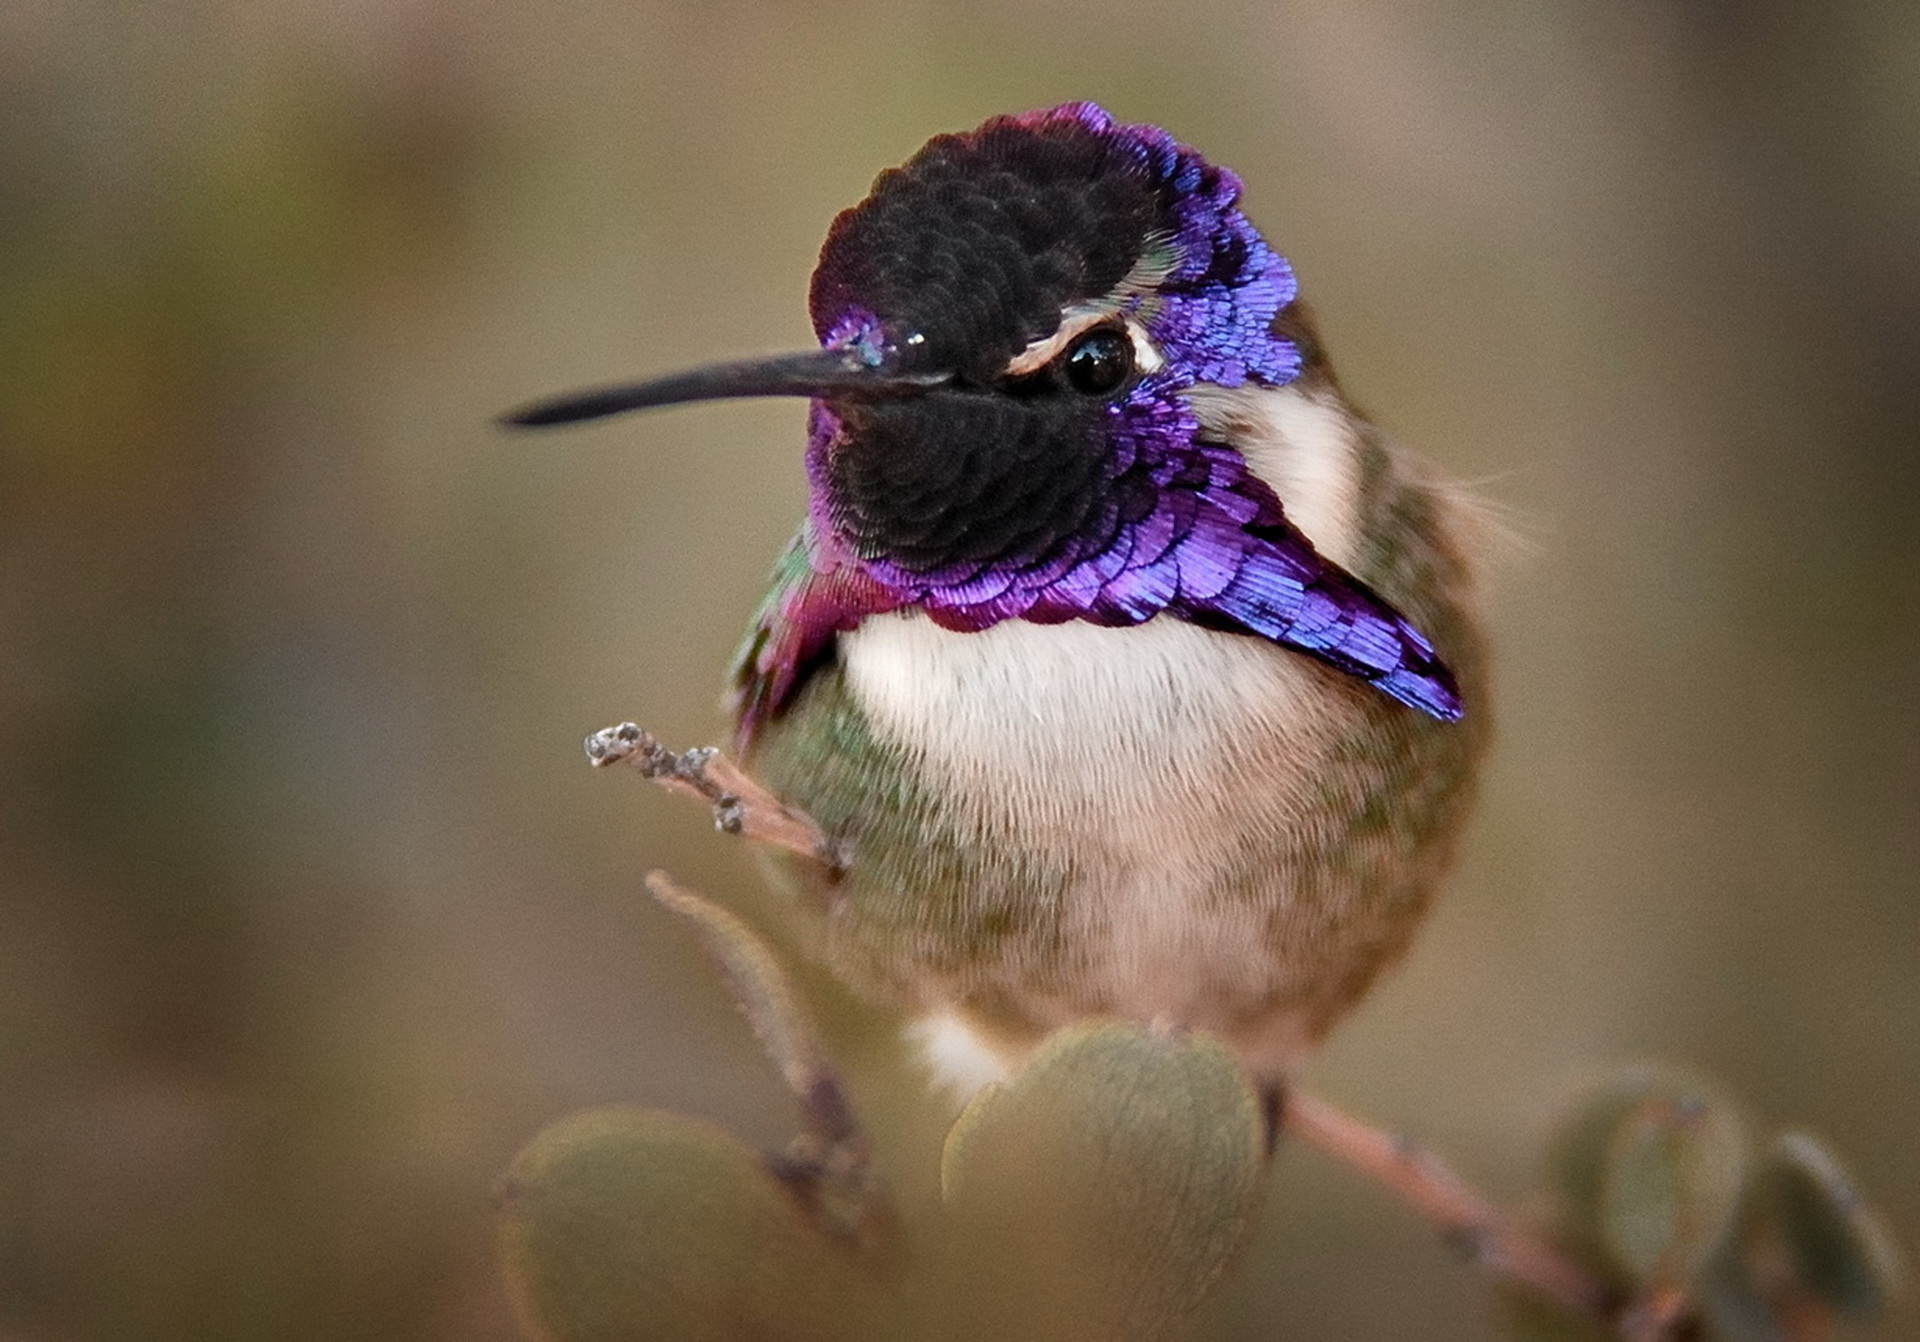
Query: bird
[1137, 674]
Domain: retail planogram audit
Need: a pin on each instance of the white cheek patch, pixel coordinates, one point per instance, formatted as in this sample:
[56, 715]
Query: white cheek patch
[1306, 445]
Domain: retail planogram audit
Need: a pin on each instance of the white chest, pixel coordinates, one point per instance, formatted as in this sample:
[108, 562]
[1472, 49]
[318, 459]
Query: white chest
[1074, 733]
[1149, 763]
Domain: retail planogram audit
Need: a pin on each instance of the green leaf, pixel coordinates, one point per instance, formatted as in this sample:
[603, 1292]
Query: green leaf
[1649, 1166]
[1577, 1153]
[623, 1224]
[1837, 1250]
[1674, 1172]
[1102, 1193]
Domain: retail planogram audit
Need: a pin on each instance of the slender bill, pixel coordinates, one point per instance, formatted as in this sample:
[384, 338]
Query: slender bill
[835, 374]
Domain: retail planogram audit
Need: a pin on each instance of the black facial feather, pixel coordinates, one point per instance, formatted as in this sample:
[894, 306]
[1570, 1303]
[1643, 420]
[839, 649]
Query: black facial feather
[979, 241]
[959, 478]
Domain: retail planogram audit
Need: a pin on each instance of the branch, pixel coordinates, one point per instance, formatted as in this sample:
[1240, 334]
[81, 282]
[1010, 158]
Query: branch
[832, 1160]
[1492, 1241]
[740, 805]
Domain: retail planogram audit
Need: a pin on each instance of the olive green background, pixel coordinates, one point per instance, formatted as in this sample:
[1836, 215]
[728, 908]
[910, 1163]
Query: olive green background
[310, 909]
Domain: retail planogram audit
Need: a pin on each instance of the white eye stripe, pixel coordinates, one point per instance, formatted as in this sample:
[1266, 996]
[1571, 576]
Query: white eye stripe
[1074, 323]
[1044, 351]
[1146, 355]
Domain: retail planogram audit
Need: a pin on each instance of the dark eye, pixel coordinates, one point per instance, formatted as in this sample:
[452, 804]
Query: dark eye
[1099, 362]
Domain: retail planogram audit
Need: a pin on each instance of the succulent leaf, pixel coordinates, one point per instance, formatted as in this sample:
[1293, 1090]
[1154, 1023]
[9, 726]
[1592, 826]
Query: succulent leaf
[1837, 1250]
[624, 1224]
[1103, 1192]
[1650, 1167]
[1674, 1172]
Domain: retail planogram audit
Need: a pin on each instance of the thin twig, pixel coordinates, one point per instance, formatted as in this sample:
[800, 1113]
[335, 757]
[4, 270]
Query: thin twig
[740, 805]
[1440, 1195]
[831, 1161]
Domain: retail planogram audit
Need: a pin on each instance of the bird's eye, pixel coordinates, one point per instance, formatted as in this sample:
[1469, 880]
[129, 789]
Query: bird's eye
[1099, 362]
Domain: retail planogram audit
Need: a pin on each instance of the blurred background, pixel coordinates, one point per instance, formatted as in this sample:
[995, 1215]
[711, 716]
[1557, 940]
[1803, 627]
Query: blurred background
[310, 909]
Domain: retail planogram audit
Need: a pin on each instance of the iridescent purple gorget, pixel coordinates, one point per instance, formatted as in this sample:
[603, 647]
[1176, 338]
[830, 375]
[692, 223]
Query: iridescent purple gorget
[1179, 526]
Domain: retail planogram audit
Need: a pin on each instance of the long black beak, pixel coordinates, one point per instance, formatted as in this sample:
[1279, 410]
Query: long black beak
[839, 374]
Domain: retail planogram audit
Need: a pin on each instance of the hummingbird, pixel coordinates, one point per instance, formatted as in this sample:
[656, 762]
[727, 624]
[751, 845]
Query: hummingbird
[1139, 675]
